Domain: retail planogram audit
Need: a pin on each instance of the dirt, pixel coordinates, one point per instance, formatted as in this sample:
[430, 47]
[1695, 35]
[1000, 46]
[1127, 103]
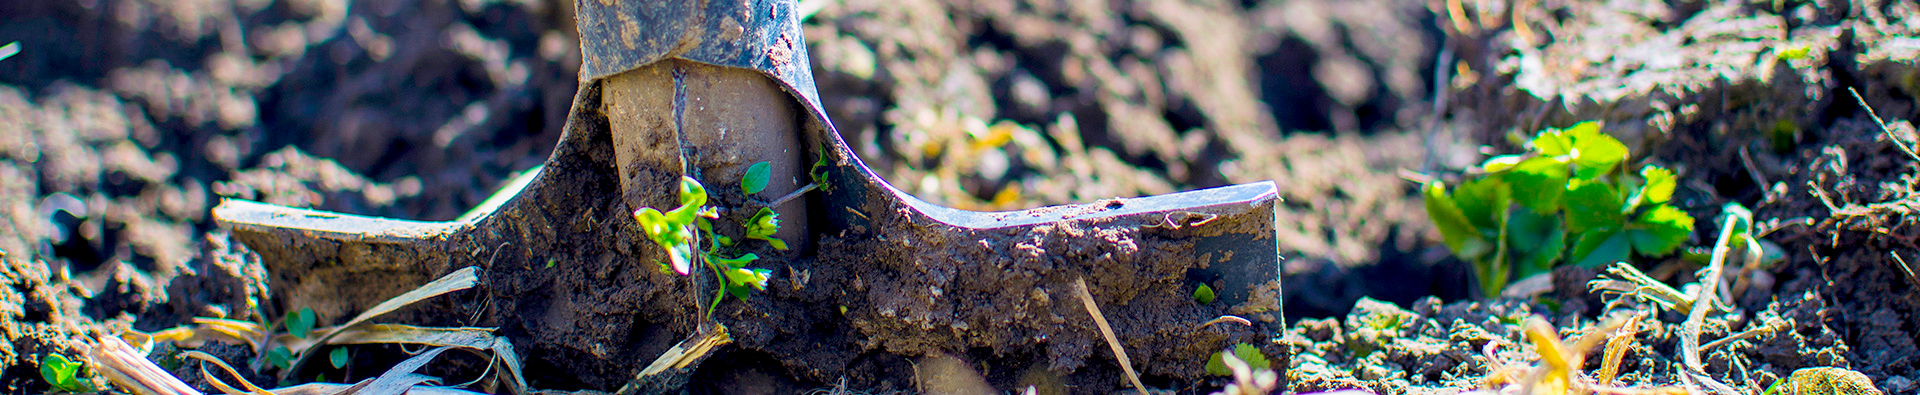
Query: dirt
[1754, 109]
[132, 118]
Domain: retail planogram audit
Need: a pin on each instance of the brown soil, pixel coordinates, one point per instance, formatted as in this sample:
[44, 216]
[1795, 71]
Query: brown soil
[130, 119]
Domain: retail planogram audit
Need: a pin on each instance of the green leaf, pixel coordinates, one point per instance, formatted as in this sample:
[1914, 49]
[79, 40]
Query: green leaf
[1252, 356]
[681, 255]
[1446, 215]
[738, 291]
[1538, 240]
[756, 178]
[1594, 149]
[1501, 163]
[59, 372]
[1592, 205]
[1203, 294]
[760, 277]
[1484, 202]
[692, 194]
[1475, 248]
[653, 223]
[338, 356]
[300, 323]
[735, 262]
[1527, 229]
[1553, 143]
[1538, 183]
[280, 357]
[1659, 231]
[1600, 248]
[819, 169]
[1217, 366]
[756, 278]
[1659, 186]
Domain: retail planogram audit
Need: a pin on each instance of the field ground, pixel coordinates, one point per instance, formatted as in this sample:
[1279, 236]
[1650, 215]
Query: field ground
[126, 121]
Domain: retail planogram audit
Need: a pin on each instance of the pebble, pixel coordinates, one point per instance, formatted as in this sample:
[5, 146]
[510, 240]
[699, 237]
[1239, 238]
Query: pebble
[1899, 384]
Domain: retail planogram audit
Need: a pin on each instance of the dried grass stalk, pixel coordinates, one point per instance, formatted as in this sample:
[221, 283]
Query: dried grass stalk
[130, 371]
[1120, 353]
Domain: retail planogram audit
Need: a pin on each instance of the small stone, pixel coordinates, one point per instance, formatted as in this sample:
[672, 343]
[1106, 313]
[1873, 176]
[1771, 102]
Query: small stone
[1899, 384]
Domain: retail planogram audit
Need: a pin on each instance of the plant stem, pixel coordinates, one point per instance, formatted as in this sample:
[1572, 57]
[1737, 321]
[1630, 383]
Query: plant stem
[795, 194]
[1500, 272]
[720, 287]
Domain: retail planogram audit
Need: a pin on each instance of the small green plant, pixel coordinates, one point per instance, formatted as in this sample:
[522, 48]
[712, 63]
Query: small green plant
[763, 225]
[338, 357]
[1245, 352]
[1516, 218]
[63, 375]
[681, 231]
[818, 172]
[299, 324]
[1203, 294]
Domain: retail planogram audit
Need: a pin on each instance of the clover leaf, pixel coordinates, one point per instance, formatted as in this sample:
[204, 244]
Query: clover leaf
[300, 323]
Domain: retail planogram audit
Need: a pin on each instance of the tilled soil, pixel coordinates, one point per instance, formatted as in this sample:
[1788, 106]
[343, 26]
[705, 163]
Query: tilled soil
[130, 119]
[1750, 102]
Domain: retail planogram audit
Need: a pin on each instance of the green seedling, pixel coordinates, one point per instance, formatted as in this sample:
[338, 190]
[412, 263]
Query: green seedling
[675, 230]
[63, 375]
[281, 357]
[300, 323]
[681, 230]
[1569, 199]
[819, 170]
[1203, 294]
[338, 357]
[763, 225]
[1255, 359]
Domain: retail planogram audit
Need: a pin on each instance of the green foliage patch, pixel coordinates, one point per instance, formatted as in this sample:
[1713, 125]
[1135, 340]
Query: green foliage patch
[1246, 352]
[63, 375]
[1569, 199]
[1203, 294]
[683, 230]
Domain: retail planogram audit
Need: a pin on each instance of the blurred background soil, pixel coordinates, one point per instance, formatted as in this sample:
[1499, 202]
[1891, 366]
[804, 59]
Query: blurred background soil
[122, 122]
